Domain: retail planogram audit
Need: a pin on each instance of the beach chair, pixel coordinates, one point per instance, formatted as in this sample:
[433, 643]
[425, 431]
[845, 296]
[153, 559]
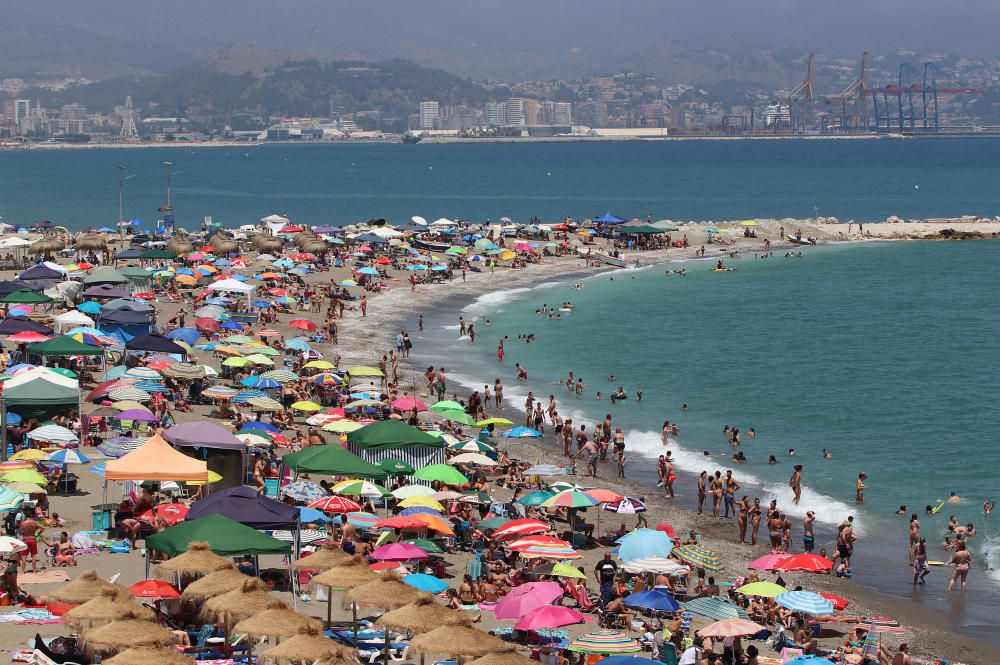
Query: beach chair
[668, 654]
[579, 594]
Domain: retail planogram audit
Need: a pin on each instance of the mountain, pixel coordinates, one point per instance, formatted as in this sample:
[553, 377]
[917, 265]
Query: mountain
[268, 82]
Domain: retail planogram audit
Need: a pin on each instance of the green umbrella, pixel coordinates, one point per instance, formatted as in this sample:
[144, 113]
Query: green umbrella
[157, 254]
[447, 405]
[480, 496]
[390, 465]
[699, 556]
[535, 498]
[492, 524]
[459, 417]
[65, 372]
[25, 297]
[472, 446]
[428, 546]
[224, 536]
[442, 473]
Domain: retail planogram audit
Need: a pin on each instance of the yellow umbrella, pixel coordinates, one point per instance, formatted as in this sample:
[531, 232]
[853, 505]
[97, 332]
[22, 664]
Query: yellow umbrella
[213, 477]
[306, 406]
[319, 364]
[24, 475]
[762, 589]
[235, 362]
[342, 426]
[258, 359]
[502, 422]
[28, 455]
[507, 256]
[187, 280]
[424, 501]
[228, 350]
[749, 222]
[129, 404]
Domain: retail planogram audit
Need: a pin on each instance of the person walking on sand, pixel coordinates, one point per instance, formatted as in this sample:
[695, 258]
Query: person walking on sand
[590, 449]
[962, 560]
[755, 514]
[743, 520]
[920, 567]
[795, 482]
[808, 537]
[668, 477]
[364, 306]
[498, 392]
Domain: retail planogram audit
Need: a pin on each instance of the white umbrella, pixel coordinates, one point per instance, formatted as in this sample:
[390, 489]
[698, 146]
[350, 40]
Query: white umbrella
[654, 564]
[53, 434]
[407, 491]
[472, 458]
[10, 545]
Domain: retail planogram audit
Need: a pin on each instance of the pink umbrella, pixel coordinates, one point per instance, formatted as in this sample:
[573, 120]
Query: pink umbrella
[27, 337]
[398, 552]
[527, 597]
[549, 616]
[524, 247]
[408, 404]
[768, 561]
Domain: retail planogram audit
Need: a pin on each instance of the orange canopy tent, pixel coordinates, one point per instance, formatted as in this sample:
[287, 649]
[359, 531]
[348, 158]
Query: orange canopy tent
[156, 460]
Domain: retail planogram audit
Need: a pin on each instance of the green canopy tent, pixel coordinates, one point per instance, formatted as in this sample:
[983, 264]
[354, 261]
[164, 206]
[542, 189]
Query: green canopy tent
[394, 439]
[25, 297]
[65, 346]
[104, 275]
[639, 230]
[332, 460]
[41, 398]
[138, 278]
[158, 254]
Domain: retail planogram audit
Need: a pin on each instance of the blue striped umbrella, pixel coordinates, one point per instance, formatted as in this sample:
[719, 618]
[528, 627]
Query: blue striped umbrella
[361, 520]
[68, 456]
[260, 383]
[305, 490]
[806, 602]
[244, 396]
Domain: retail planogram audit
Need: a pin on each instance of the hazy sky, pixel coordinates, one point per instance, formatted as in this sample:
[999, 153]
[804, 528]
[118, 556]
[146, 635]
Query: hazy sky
[529, 36]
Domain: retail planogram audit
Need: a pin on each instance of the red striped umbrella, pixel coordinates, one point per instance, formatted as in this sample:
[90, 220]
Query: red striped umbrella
[522, 527]
[533, 541]
[335, 504]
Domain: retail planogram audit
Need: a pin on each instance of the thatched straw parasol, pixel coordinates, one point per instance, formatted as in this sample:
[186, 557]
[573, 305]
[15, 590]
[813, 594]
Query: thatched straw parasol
[421, 616]
[179, 245]
[460, 641]
[354, 572]
[317, 247]
[279, 622]
[241, 603]
[304, 238]
[223, 244]
[387, 592]
[126, 634]
[82, 589]
[198, 560]
[326, 557]
[308, 646]
[90, 241]
[46, 246]
[508, 658]
[110, 605]
[145, 656]
[214, 584]
[269, 245]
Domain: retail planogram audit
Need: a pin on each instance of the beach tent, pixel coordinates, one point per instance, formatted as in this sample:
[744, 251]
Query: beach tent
[155, 460]
[104, 275]
[203, 435]
[138, 278]
[155, 343]
[224, 536]
[247, 506]
[72, 319]
[332, 460]
[397, 440]
[41, 276]
[15, 324]
[25, 297]
[608, 218]
[131, 253]
[230, 285]
[104, 291]
[65, 346]
[11, 285]
[36, 393]
[33, 373]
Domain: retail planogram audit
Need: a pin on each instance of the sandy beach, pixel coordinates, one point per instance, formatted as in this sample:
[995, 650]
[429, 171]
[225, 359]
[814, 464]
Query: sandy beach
[362, 340]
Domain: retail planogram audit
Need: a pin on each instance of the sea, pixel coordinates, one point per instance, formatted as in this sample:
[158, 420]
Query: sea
[883, 353]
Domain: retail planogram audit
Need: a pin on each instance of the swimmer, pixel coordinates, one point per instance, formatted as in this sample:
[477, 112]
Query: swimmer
[611, 377]
[791, 452]
[988, 506]
[684, 407]
[751, 433]
[860, 487]
[598, 396]
[902, 510]
[953, 497]
[826, 454]
[772, 459]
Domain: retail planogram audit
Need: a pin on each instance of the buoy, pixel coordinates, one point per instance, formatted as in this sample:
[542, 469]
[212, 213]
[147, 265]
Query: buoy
[917, 187]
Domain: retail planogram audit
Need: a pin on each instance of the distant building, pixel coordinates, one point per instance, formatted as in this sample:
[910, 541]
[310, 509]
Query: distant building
[514, 111]
[555, 113]
[73, 119]
[494, 114]
[429, 113]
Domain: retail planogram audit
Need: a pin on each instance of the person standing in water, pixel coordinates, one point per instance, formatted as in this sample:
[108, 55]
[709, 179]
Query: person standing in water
[860, 487]
[795, 482]
[920, 567]
[808, 537]
[962, 559]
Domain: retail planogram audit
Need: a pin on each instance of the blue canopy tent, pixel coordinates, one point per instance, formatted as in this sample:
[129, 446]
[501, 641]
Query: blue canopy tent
[608, 218]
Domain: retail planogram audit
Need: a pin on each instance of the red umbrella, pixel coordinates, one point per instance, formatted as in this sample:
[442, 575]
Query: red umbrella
[549, 616]
[172, 513]
[304, 256]
[383, 260]
[523, 527]
[206, 325]
[291, 228]
[278, 292]
[839, 603]
[303, 324]
[145, 296]
[154, 589]
[104, 388]
[335, 504]
[384, 565]
[160, 364]
[532, 541]
[400, 522]
[812, 563]
[604, 496]
[27, 337]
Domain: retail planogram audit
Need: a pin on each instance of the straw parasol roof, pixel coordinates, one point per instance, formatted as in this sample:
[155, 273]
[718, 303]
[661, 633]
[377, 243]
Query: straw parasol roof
[128, 633]
[242, 602]
[278, 622]
[304, 238]
[145, 656]
[328, 556]
[386, 592]
[316, 247]
[179, 245]
[199, 560]
[307, 646]
[223, 243]
[90, 241]
[421, 616]
[354, 572]
[460, 641]
[508, 658]
[266, 244]
[82, 589]
[45, 246]
[214, 584]
[110, 605]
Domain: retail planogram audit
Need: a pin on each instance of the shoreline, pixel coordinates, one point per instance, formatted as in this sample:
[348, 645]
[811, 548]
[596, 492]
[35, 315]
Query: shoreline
[930, 633]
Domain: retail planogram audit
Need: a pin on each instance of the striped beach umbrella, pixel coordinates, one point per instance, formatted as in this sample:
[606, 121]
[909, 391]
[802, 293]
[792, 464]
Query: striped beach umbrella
[604, 641]
[10, 545]
[252, 439]
[335, 504]
[244, 396]
[151, 387]
[120, 446]
[699, 556]
[715, 607]
[626, 506]
[281, 375]
[564, 552]
[730, 628]
[68, 456]
[545, 470]
[219, 392]
[522, 527]
[143, 373]
[359, 488]
[326, 379]
[882, 625]
[129, 393]
[304, 490]
[806, 602]
[563, 485]
[570, 499]
[10, 500]
[472, 446]
[265, 404]
[53, 434]
[361, 520]
[184, 371]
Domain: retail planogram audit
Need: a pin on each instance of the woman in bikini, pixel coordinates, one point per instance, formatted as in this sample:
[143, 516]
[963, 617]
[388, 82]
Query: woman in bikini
[742, 520]
[962, 559]
[702, 490]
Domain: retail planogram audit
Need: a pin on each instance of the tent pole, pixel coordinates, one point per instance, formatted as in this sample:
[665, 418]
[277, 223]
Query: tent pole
[3, 433]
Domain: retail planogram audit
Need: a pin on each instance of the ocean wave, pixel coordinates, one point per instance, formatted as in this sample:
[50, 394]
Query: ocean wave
[989, 549]
[492, 302]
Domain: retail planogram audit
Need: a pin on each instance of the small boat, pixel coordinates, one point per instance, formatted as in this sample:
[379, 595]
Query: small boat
[616, 261]
[430, 245]
[802, 241]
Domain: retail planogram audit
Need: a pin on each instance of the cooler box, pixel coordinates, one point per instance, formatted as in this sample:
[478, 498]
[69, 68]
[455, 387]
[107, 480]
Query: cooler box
[100, 520]
[271, 487]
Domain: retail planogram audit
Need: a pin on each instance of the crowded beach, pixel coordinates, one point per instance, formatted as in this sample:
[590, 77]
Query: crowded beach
[221, 447]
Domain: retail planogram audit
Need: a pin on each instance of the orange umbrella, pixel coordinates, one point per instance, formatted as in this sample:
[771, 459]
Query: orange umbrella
[604, 496]
[269, 275]
[187, 280]
[435, 523]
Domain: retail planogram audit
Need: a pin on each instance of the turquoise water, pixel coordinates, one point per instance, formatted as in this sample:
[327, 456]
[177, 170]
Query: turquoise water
[881, 353]
[320, 184]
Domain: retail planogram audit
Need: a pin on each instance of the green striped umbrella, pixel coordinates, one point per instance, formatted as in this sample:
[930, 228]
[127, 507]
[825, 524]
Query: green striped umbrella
[359, 488]
[10, 500]
[715, 608]
[472, 446]
[265, 404]
[570, 499]
[699, 556]
[428, 546]
[605, 641]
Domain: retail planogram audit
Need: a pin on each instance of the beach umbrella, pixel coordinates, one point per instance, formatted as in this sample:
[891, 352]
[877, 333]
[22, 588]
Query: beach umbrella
[409, 404]
[199, 559]
[422, 501]
[326, 557]
[128, 633]
[303, 324]
[810, 660]
[425, 583]
[768, 561]
[304, 490]
[68, 456]
[549, 616]
[171, 513]
[428, 546]
[265, 404]
[136, 415]
[395, 466]
[326, 379]
[412, 490]
[422, 615]
[626, 506]
[535, 498]
[472, 446]
[154, 589]
[184, 371]
[498, 422]
[715, 608]
[361, 520]
[309, 407]
[461, 642]
[10, 500]
[549, 552]
[699, 556]
[146, 655]
[521, 527]
[645, 543]
[359, 488]
[308, 646]
[805, 602]
[87, 586]
[129, 393]
[839, 604]
[343, 426]
[276, 622]
[570, 499]
[242, 602]
[334, 504]
[761, 589]
[604, 641]
[545, 470]
[53, 434]
[808, 562]
[441, 473]
[525, 598]
[536, 540]
[447, 405]
[398, 552]
[10, 545]
[26, 455]
[658, 600]
[655, 564]
[109, 605]
[23, 476]
[730, 628]
[219, 392]
[388, 592]
[214, 584]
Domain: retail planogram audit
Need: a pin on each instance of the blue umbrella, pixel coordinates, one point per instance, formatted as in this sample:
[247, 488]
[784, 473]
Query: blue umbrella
[645, 543]
[230, 325]
[13, 418]
[260, 382]
[185, 271]
[222, 263]
[521, 433]
[417, 266]
[218, 301]
[427, 583]
[268, 427]
[68, 456]
[305, 490]
[439, 268]
[806, 602]
[312, 516]
[367, 271]
[244, 396]
[89, 307]
[260, 303]
[298, 344]
[658, 600]
[361, 396]
[535, 498]
[16, 368]
[186, 335]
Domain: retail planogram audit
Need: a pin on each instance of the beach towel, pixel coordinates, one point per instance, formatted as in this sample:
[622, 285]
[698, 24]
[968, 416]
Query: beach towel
[44, 577]
[28, 615]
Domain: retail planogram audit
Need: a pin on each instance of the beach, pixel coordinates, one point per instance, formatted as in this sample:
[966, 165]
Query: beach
[362, 340]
